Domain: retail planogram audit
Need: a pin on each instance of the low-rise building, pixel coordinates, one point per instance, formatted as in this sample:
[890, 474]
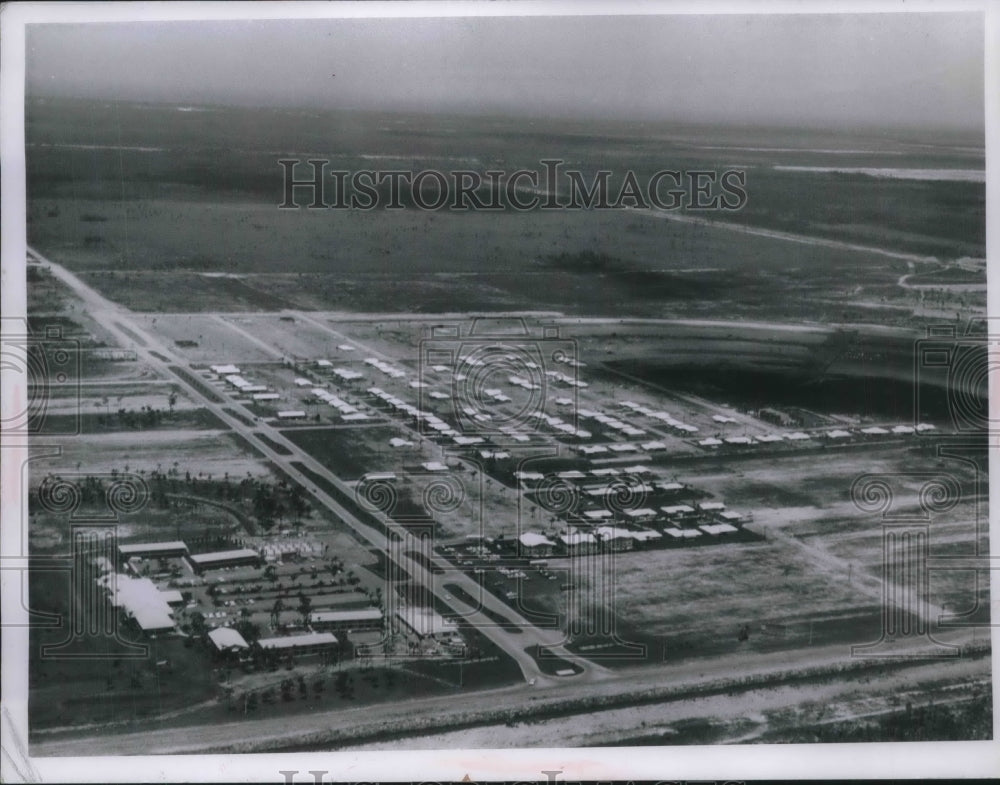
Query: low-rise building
[536, 546]
[140, 602]
[426, 622]
[146, 550]
[227, 642]
[614, 539]
[577, 543]
[679, 513]
[346, 621]
[234, 558]
[300, 645]
[730, 517]
[712, 507]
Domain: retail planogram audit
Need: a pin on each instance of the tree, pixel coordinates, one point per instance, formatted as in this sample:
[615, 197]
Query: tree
[198, 623]
[305, 608]
[248, 630]
[279, 606]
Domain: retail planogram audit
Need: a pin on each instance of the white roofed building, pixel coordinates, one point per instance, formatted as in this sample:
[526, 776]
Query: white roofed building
[299, 645]
[426, 622]
[139, 601]
[578, 542]
[226, 640]
[615, 539]
[150, 549]
[234, 558]
[536, 545]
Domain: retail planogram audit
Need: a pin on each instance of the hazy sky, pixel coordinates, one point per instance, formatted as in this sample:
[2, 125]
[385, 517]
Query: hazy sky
[881, 70]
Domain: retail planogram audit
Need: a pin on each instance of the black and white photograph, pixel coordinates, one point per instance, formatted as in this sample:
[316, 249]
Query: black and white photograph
[494, 381]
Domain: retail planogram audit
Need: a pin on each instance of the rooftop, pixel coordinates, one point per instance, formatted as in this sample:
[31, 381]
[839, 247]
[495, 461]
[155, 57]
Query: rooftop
[151, 547]
[531, 540]
[298, 641]
[141, 600]
[360, 614]
[227, 638]
[208, 558]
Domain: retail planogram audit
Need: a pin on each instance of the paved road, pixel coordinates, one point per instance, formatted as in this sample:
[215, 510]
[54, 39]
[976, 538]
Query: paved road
[775, 234]
[426, 714]
[123, 325]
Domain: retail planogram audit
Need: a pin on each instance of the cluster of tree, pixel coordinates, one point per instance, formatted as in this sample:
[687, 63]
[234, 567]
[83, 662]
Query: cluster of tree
[266, 502]
[215, 542]
[344, 685]
[146, 417]
[247, 628]
[274, 503]
[288, 688]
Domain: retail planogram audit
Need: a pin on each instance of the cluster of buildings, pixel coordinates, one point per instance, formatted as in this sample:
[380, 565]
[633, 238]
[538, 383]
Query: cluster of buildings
[425, 418]
[832, 435]
[228, 643]
[391, 371]
[233, 376]
[599, 521]
[259, 393]
[348, 412]
[663, 525]
[344, 374]
[138, 600]
[422, 623]
[199, 562]
[153, 610]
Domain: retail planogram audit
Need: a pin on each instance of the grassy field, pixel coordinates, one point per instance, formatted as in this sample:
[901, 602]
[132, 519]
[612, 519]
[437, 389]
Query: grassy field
[207, 451]
[427, 262]
[107, 686]
[106, 196]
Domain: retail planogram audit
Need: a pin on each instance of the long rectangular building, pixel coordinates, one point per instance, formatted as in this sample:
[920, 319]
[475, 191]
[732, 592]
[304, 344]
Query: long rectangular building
[152, 549]
[426, 622]
[139, 601]
[309, 643]
[358, 619]
[213, 561]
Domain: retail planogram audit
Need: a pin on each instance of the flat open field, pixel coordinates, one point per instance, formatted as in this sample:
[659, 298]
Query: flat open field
[213, 452]
[156, 168]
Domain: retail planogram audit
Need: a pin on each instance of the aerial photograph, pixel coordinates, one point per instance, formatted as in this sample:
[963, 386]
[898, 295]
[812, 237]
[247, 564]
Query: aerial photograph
[505, 381]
